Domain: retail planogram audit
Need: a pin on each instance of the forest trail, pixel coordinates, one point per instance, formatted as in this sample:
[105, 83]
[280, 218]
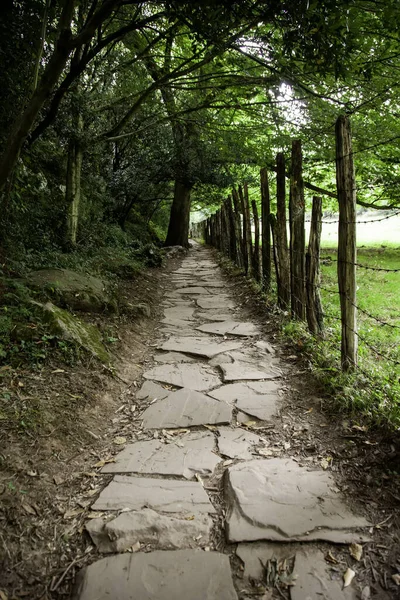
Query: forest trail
[209, 481]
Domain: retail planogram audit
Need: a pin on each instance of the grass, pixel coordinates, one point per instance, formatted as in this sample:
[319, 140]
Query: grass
[374, 390]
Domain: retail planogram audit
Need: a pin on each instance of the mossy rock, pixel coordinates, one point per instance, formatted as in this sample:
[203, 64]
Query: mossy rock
[64, 325]
[77, 291]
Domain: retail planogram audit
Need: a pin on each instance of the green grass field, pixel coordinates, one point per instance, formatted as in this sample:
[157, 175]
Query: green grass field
[376, 390]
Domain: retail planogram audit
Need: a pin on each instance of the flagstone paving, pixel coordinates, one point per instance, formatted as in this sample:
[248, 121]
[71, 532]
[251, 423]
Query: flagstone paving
[194, 480]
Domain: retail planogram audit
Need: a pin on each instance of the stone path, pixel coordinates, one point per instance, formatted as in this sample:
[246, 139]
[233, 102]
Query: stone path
[201, 482]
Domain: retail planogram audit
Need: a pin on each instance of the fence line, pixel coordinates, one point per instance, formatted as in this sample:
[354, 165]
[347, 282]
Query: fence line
[297, 268]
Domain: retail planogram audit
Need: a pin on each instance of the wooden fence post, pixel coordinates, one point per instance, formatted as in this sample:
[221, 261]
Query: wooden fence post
[280, 235]
[347, 248]
[232, 230]
[238, 228]
[314, 308]
[226, 230]
[297, 234]
[256, 250]
[245, 247]
[265, 230]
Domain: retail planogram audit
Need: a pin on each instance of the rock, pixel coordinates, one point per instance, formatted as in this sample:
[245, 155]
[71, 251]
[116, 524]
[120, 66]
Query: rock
[259, 398]
[192, 376]
[174, 251]
[192, 291]
[173, 357]
[168, 575]
[213, 316]
[77, 291]
[68, 327]
[278, 500]
[316, 580]
[151, 391]
[238, 371]
[170, 496]
[199, 346]
[149, 527]
[215, 302]
[188, 455]
[186, 408]
[182, 313]
[230, 328]
[236, 443]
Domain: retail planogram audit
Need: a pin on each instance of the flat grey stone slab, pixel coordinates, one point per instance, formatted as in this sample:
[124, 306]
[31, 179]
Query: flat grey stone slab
[278, 500]
[173, 357]
[146, 526]
[188, 455]
[169, 575]
[230, 328]
[176, 323]
[237, 443]
[258, 398]
[192, 291]
[201, 346]
[151, 391]
[315, 579]
[170, 496]
[186, 408]
[192, 376]
[312, 575]
[214, 316]
[238, 371]
[213, 283]
[215, 302]
[183, 313]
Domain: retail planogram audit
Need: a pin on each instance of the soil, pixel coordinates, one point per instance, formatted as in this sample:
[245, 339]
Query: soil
[50, 466]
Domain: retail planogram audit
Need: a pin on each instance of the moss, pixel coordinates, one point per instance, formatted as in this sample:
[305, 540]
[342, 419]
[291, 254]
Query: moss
[65, 325]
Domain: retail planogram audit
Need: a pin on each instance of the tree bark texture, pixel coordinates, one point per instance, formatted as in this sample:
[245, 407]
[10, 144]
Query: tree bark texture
[297, 235]
[347, 249]
[280, 237]
[178, 228]
[314, 307]
[256, 249]
[265, 230]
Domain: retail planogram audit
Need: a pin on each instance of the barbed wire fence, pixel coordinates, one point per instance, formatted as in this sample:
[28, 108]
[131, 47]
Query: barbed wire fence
[297, 268]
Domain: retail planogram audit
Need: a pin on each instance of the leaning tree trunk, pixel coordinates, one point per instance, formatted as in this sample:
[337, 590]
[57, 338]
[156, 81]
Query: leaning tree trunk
[178, 228]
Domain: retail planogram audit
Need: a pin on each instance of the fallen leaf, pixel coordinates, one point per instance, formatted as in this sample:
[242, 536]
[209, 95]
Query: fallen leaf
[348, 577]
[325, 462]
[135, 547]
[58, 480]
[101, 463]
[28, 508]
[211, 427]
[287, 445]
[32, 473]
[119, 440]
[396, 578]
[58, 371]
[249, 423]
[70, 514]
[356, 551]
[3, 595]
[95, 515]
[190, 518]
[330, 558]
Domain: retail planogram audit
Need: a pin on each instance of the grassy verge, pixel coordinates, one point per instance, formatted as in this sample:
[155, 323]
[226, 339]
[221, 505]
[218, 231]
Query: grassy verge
[373, 391]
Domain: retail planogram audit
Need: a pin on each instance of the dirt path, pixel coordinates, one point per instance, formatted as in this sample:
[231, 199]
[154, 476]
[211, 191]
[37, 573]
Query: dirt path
[217, 498]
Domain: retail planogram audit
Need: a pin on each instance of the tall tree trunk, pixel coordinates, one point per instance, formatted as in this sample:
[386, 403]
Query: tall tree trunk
[73, 186]
[178, 228]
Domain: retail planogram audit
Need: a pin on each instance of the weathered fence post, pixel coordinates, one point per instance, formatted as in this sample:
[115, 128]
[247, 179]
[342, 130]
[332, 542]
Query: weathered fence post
[265, 230]
[255, 263]
[347, 248]
[314, 308]
[238, 228]
[249, 236]
[245, 247]
[281, 255]
[225, 230]
[297, 234]
[232, 230]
